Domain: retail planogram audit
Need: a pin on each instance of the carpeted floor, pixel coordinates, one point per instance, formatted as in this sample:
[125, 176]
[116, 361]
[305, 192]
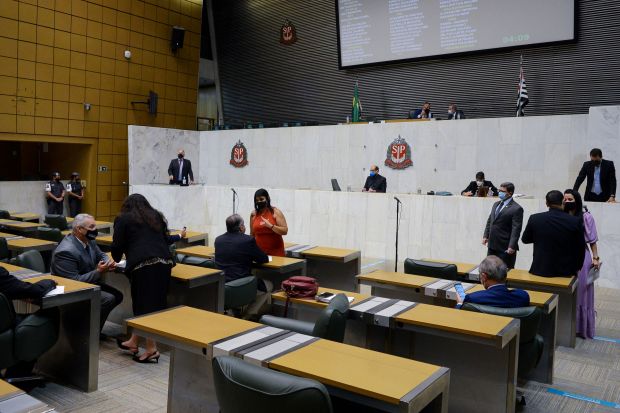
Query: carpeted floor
[592, 369]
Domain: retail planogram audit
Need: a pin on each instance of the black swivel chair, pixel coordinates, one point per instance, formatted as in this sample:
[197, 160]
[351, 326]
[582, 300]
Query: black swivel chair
[49, 234]
[244, 387]
[330, 325]
[56, 221]
[240, 293]
[31, 259]
[5, 254]
[25, 341]
[4, 214]
[431, 269]
[531, 343]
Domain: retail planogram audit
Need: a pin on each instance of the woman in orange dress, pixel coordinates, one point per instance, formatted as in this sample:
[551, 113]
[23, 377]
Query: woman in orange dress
[267, 225]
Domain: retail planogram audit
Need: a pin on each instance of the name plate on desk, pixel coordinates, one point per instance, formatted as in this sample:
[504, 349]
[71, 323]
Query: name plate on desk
[282, 345]
[474, 275]
[432, 290]
[451, 292]
[296, 250]
[379, 310]
[246, 340]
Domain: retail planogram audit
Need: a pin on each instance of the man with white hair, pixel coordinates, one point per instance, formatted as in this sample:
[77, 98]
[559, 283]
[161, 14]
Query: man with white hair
[78, 257]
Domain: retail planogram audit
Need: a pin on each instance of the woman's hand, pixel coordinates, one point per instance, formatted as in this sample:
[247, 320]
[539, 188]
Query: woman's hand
[596, 262]
[266, 223]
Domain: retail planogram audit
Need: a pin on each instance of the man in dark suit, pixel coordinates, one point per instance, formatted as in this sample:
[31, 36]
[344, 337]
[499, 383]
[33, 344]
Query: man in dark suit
[78, 257]
[375, 182]
[558, 238]
[454, 113]
[180, 170]
[601, 174]
[501, 234]
[493, 272]
[472, 188]
[235, 252]
[424, 113]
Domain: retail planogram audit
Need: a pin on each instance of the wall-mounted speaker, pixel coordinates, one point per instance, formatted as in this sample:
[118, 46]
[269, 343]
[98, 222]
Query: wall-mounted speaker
[176, 40]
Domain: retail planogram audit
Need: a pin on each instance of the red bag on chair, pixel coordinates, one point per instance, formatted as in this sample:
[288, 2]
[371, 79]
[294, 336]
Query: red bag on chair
[299, 286]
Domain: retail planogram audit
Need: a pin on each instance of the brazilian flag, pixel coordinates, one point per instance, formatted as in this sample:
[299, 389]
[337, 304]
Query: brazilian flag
[356, 112]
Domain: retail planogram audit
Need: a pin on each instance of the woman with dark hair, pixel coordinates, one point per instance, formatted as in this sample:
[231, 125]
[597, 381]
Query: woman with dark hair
[141, 234]
[585, 293]
[267, 224]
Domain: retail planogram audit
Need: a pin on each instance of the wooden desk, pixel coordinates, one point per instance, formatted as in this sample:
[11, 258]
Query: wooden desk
[196, 336]
[18, 226]
[190, 285]
[332, 267]
[192, 237]
[14, 400]
[75, 356]
[24, 244]
[276, 271]
[25, 216]
[19, 272]
[487, 344]
[397, 382]
[419, 288]
[8, 236]
[564, 287]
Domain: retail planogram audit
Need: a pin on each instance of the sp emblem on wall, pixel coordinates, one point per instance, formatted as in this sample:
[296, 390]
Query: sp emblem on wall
[288, 33]
[239, 155]
[398, 154]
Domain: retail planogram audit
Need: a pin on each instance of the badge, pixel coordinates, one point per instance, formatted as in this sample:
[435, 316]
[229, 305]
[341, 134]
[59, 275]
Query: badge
[398, 154]
[239, 155]
[48, 187]
[288, 33]
[69, 187]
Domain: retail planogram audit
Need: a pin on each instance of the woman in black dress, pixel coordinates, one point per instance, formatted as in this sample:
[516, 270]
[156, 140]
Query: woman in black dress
[141, 234]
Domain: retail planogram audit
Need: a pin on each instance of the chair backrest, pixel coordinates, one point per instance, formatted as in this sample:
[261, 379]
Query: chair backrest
[49, 234]
[56, 221]
[244, 387]
[240, 292]
[200, 262]
[530, 342]
[332, 321]
[4, 214]
[31, 259]
[431, 269]
[335, 185]
[4, 249]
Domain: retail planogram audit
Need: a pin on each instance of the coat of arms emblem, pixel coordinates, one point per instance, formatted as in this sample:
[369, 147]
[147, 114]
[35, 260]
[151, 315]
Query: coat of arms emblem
[239, 155]
[398, 154]
[288, 33]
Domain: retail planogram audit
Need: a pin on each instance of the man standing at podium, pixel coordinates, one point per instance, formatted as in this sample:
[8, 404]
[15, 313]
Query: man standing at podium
[375, 182]
[503, 229]
[180, 170]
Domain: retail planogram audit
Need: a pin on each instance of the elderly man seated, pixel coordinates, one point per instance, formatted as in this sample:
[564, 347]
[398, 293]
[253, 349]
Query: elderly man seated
[78, 257]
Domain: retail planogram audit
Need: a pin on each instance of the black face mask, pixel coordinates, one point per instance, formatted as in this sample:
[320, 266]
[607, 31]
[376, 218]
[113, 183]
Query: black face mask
[597, 163]
[570, 206]
[261, 204]
[57, 179]
[91, 234]
[180, 156]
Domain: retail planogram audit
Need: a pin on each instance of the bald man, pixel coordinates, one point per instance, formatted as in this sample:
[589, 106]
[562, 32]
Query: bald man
[180, 170]
[375, 182]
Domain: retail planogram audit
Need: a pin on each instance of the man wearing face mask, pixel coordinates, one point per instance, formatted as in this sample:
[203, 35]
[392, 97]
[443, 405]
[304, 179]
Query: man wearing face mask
[180, 170]
[375, 182]
[78, 257]
[493, 272]
[501, 234]
[601, 174]
[472, 188]
[55, 194]
[75, 191]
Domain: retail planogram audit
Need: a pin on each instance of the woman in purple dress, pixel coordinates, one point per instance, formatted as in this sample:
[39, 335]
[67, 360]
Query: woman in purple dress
[585, 293]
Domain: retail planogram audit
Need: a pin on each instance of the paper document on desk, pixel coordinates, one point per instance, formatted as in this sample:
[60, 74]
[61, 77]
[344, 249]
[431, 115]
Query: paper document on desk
[60, 289]
[270, 258]
[121, 264]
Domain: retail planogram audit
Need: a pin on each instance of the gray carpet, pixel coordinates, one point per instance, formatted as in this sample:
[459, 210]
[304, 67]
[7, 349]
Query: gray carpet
[591, 369]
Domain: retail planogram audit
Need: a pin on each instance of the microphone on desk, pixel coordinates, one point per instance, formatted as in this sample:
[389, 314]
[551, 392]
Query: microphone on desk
[397, 200]
[234, 196]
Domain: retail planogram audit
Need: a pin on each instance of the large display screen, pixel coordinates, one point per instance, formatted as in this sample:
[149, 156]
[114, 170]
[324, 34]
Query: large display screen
[373, 31]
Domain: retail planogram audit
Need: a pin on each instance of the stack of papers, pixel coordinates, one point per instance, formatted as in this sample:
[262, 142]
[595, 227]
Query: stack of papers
[58, 290]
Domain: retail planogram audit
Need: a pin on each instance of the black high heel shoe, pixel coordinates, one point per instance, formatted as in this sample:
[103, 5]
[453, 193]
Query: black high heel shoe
[132, 350]
[150, 358]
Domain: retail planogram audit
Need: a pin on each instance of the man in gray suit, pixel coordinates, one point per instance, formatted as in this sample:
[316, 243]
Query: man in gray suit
[78, 257]
[503, 228]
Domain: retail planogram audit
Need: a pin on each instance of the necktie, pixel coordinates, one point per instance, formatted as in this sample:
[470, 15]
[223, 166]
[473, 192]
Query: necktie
[180, 170]
[499, 208]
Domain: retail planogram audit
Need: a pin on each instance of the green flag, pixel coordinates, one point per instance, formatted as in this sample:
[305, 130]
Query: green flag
[357, 106]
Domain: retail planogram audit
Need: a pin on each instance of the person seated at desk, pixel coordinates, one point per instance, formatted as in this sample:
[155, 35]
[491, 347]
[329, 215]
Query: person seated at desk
[493, 272]
[235, 252]
[454, 113]
[15, 289]
[559, 243]
[78, 257]
[474, 186]
[375, 182]
[424, 113]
